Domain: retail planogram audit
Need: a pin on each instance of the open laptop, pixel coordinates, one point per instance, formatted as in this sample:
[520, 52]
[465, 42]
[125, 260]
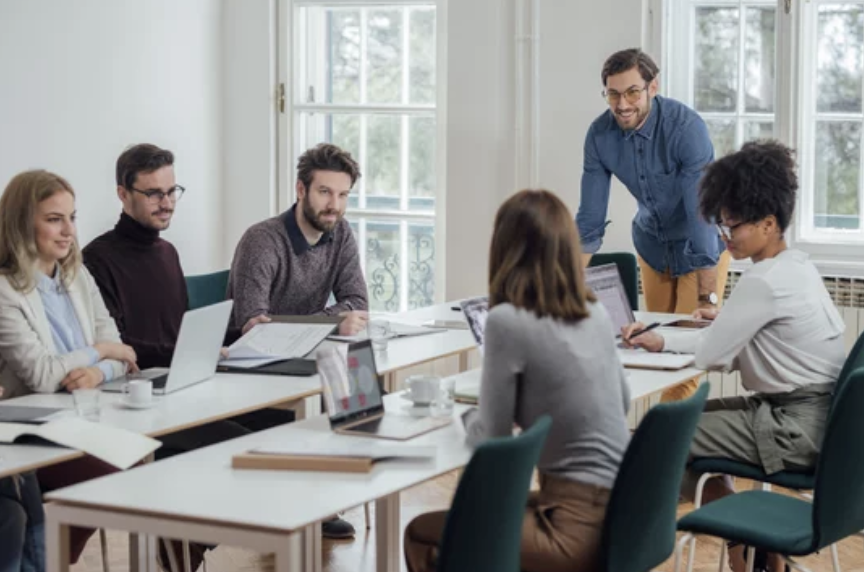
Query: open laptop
[354, 403]
[605, 282]
[195, 355]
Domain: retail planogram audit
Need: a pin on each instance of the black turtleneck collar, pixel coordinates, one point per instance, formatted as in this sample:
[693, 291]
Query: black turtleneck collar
[130, 228]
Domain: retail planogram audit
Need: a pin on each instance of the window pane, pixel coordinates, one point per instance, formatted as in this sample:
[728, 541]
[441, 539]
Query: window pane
[384, 56]
[839, 63]
[759, 60]
[382, 265]
[759, 130]
[344, 57]
[716, 73]
[382, 163]
[835, 196]
[421, 166]
[422, 56]
[421, 265]
[722, 133]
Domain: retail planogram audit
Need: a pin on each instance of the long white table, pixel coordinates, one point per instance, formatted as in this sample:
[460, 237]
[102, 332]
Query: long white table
[223, 396]
[205, 500]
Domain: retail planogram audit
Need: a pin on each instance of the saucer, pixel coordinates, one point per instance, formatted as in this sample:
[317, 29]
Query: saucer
[130, 405]
[417, 410]
[416, 403]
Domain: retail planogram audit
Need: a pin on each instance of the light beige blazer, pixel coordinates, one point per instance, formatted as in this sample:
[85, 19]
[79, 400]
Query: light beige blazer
[29, 362]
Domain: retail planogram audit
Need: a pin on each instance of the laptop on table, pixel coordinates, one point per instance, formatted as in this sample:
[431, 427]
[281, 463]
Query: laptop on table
[196, 354]
[354, 401]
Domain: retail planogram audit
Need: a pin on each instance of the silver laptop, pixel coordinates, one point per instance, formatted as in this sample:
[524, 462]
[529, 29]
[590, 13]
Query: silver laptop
[355, 405]
[195, 355]
[605, 282]
[476, 310]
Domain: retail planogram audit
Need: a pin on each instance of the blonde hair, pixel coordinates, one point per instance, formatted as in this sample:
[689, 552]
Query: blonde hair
[18, 251]
[535, 260]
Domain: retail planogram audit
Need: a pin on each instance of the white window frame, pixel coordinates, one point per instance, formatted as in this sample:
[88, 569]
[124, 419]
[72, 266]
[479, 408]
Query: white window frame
[835, 251]
[291, 139]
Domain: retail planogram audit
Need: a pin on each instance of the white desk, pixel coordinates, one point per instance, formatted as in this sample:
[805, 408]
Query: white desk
[268, 511]
[224, 396]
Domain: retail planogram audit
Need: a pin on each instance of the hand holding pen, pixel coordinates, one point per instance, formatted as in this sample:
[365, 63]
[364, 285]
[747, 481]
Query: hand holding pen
[639, 335]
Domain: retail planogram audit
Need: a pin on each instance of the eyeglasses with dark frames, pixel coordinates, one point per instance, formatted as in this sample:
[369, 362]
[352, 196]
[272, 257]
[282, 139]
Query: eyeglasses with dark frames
[727, 230]
[154, 196]
[632, 95]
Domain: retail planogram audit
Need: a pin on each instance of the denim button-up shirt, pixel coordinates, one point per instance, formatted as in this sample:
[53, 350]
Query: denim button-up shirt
[660, 164]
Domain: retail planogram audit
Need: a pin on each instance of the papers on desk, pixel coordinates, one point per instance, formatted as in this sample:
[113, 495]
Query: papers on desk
[641, 359]
[117, 447]
[350, 457]
[271, 342]
[397, 330]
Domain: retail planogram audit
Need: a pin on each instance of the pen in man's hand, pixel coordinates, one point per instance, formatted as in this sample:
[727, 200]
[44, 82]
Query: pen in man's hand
[643, 330]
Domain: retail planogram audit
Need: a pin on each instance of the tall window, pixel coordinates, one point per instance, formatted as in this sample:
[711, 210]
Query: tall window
[365, 79]
[722, 60]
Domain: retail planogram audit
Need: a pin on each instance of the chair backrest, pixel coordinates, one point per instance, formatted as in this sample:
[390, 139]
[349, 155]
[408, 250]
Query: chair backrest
[639, 530]
[484, 525]
[838, 500]
[854, 360]
[627, 268]
[206, 289]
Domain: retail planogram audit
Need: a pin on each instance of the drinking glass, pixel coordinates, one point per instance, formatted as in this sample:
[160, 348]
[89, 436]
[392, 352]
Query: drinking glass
[379, 332]
[87, 402]
[444, 402]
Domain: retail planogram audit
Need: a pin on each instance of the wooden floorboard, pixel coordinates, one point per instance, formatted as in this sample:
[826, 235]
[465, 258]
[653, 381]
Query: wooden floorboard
[359, 555]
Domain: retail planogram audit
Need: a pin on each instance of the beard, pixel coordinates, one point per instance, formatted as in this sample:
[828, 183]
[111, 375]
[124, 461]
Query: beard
[638, 117]
[314, 219]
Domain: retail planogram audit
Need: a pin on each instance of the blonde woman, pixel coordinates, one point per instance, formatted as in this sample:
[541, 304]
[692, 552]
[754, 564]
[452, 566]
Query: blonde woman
[55, 333]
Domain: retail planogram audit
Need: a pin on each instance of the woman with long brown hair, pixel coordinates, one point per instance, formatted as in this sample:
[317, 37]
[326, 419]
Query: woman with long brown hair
[549, 350]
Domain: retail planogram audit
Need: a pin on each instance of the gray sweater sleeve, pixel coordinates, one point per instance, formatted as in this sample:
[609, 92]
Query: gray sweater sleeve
[253, 272]
[350, 287]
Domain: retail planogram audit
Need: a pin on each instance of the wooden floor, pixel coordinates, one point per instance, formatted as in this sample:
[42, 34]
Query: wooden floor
[359, 555]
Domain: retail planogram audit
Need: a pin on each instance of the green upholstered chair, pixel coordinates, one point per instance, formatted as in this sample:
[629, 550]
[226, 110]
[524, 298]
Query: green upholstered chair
[484, 524]
[639, 531]
[627, 268]
[798, 481]
[207, 289]
[794, 527]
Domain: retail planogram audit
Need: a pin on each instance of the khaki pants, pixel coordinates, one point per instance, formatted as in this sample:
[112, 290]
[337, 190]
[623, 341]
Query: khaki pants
[678, 295]
[560, 532]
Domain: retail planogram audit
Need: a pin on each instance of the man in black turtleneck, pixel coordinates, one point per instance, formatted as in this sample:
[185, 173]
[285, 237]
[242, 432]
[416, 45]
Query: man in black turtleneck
[138, 272]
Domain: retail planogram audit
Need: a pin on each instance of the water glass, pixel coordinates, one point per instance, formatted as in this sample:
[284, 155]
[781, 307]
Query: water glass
[444, 402]
[379, 332]
[87, 402]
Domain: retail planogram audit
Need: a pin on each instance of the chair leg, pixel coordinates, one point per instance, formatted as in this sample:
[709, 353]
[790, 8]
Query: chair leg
[366, 513]
[751, 558]
[700, 487]
[691, 553]
[172, 559]
[187, 557]
[723, 555]
[103, 543]
[835, 558]
[794, 565]
[679, 547]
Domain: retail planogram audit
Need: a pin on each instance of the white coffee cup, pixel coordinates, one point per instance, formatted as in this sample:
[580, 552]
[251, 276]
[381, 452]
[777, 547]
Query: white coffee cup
[422, 389]
[138, 391]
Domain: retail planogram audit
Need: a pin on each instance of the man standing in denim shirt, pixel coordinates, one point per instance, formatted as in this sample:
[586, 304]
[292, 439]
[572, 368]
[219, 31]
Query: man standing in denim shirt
[657, 147]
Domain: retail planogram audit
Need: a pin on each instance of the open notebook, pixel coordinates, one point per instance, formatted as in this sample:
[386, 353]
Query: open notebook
[641, 359]
[350, 457]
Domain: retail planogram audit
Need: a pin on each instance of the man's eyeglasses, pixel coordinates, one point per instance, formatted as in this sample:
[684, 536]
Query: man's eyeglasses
[155, 197]
[726, 230]
[632, 95]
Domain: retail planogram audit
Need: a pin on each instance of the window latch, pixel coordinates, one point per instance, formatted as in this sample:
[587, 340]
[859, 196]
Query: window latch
[787, 5]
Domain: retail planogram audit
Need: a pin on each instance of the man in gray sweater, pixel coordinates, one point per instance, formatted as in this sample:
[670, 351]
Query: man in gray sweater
[291, 263]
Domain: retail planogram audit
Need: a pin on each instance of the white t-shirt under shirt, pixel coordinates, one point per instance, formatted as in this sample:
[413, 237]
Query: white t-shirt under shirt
[779, 329]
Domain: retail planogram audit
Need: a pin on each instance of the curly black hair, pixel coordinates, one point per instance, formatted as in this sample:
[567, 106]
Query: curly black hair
[751, 184]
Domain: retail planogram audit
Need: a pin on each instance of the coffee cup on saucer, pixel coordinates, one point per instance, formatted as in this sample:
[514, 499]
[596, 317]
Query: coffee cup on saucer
[138, 393]
[422, 389]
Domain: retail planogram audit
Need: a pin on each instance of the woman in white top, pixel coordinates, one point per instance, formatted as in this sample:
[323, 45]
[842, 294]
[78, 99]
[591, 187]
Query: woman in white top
[779, 328]
[55, 333]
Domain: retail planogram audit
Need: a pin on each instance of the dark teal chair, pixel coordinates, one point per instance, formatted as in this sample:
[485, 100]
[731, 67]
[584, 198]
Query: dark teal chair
[639, 531]
[627, 268]
[206, 289]
[798, 481]
[483, 530]
[791, 526]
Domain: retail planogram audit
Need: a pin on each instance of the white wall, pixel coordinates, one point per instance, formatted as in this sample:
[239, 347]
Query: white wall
[82, 80]
[575, 39]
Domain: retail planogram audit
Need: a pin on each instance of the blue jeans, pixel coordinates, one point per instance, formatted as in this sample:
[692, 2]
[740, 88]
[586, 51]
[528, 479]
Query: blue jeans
[22, 526]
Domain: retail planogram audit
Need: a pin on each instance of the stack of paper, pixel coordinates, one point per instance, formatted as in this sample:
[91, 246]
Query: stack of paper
[271, 342]
[350, 457]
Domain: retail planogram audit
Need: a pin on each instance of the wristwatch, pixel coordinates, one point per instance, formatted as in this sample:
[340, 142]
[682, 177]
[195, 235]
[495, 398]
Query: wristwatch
[709, 298]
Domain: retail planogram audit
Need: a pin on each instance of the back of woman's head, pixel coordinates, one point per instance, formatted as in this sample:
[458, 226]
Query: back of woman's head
[18, 208]
[535, 258]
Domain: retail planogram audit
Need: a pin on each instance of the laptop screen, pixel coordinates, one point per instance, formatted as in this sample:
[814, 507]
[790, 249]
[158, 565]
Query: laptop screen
[476, 310]
[605, 282]
[349, 379]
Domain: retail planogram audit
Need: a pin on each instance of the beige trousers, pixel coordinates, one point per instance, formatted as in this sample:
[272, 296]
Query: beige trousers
[560, 532]
[678, 295]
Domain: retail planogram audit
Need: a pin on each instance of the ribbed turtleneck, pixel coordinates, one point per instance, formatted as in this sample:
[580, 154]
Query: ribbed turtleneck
[129, 228]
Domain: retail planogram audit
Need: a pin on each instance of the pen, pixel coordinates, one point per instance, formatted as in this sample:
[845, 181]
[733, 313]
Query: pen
[643, 330]
[456, 308]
